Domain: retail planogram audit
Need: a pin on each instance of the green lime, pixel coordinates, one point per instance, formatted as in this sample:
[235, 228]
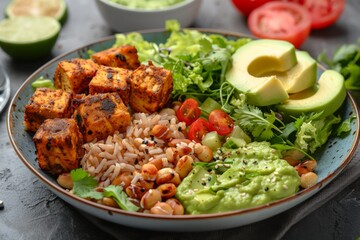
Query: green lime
[51, 8]
[28, 37]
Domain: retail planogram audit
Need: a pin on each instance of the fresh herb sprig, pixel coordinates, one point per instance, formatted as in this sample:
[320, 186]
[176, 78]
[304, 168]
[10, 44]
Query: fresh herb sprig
[345, 60]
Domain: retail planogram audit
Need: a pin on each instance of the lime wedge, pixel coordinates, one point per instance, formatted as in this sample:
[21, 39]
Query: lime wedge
[52, 8]
[28, 37]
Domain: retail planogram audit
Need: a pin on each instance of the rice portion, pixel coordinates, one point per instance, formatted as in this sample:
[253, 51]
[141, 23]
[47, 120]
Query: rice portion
[128, 151]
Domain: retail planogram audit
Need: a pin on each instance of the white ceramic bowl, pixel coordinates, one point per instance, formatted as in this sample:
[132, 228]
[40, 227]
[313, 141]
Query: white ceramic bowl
[123, 19]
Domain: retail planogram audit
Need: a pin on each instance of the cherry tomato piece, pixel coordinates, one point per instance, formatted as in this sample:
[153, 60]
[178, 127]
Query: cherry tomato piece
[281, 20]
[247, 6]
[198, 129]
[221, 122]
[323, 12]
[188, 111]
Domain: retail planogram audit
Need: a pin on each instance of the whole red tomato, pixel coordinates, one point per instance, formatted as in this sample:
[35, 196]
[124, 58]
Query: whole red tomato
[247, 6]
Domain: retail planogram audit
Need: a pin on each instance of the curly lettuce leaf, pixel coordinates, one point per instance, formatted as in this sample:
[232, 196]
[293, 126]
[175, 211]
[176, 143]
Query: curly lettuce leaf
[314, 133]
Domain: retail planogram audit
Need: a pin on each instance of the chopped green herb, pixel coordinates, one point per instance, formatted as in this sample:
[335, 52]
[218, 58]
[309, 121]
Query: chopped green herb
[120, 198]
[84, 185]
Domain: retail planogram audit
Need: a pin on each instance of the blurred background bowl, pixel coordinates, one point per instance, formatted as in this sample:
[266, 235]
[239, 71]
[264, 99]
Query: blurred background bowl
[123, 19]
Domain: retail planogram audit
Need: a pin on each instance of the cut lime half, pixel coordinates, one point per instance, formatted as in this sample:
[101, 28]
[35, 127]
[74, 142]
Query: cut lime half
[52, 8]
[28, 37]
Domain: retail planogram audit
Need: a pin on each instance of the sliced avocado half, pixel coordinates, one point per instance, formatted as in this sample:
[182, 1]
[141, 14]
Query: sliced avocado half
[252, 61]
[327, 96]
[300, 77]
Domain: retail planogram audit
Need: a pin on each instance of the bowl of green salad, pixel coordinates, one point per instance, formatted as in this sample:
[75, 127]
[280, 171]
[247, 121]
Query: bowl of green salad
[260, 128]
[122, 15]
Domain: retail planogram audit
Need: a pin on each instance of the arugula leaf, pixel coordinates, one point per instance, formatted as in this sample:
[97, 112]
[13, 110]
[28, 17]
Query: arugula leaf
[84, 185]
[120, 198]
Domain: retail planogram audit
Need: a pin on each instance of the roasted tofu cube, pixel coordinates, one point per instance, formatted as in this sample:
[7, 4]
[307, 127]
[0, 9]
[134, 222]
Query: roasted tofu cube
[100, 115]
[123, 57]
[151, 87]
[112, 79]
[46, 103]
[75, 74]
[58, 145]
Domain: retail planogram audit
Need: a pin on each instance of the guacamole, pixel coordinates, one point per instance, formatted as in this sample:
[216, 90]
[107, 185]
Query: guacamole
[147, 4]
[245, 177]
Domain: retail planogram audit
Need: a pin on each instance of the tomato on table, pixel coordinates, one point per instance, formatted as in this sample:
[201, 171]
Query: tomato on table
[281, 20]
[198, 129]
[247, 6]
[188, 111]
[323, 12]
[221, 122]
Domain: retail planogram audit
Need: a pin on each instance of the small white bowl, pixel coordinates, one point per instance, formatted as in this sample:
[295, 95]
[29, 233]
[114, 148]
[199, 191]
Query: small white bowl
[123, 19]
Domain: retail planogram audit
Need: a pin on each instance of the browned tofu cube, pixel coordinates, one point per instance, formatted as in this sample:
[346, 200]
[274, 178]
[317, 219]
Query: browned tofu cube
[100, 115]
[46, 103]
[151, 87]
[123, 57]
[75, 74]
[58, 144]
[112, 79]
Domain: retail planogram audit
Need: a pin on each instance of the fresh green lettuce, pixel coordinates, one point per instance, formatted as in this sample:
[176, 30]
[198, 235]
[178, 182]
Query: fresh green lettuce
[314, 133]
[198, 61]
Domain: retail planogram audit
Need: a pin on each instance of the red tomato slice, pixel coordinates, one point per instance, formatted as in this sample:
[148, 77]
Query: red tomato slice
[247, 6]
[198, 129]
[323, 12]
[188, 111]
[221, 122]
[281, 20]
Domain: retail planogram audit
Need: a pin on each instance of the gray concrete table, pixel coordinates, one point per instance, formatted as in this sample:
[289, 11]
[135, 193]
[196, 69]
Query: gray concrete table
[33, 212]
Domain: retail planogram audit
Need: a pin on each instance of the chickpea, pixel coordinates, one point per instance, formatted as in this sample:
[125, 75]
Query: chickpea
[65, 181]
[138, 190]
[109, 202]
[203, 152]
[161, 131]
[161, 208]
[149, 172]
[176, 141]
[308, 179]
[124, 180]
[171, 154]
[294, 154]
[157, 162]
[301, 169]
[150, 198]
[167, 111]
[176, 180]
[165, 175]
[292, 161]
[184, 166]
[309, 165]
[167, 190]
[183, 150]
[178, 208]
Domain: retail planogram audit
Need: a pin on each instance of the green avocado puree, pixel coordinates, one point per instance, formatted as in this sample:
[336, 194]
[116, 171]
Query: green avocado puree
[147, 4]
[249, 176]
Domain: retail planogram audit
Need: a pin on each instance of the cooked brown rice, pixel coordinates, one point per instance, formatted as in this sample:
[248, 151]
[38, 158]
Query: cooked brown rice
[128, 151]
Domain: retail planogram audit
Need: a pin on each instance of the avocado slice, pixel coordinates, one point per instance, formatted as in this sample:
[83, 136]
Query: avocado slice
[252, 61]
[327, 96]
[302, 76]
